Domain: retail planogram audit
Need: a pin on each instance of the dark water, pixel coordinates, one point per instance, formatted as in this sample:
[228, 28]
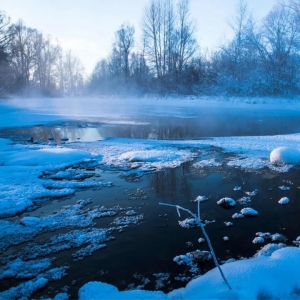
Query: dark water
[150, 247]
[206, 122]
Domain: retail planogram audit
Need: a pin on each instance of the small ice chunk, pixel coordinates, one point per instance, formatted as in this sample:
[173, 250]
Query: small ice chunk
[258, 240]
[201, 199]
[130, 212]
[237, 188]
[237, 216]
[228, 224]
[225, 238]
[188, 223]
[248, 211]
[252, 193]
[226, 202]
[284, 188]
[284, 200]
[265, 235]
[201, 240]
[277, 237]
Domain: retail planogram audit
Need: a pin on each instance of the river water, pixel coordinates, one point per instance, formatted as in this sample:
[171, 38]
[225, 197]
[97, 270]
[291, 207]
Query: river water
[150, 246]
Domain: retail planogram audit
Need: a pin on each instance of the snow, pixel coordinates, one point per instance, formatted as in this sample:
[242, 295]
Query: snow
[284, 200]
[228, 224]
[24, 269]
[237, 216]
[189, 223]
[275, 275]
[21, 167]
[201, 199]
[227, 202]
[24, 290]
[24, 180]
[258, 240]
[285, 155]
[248, 211]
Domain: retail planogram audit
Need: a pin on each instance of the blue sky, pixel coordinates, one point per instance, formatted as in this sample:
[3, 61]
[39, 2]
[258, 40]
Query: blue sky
[87, 26]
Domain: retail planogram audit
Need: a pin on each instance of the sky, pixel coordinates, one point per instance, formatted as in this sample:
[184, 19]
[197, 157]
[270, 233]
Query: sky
[87, 27]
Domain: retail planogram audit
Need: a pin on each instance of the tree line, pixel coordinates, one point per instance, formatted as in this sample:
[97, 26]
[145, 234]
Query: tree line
[31, 63]
[262, 58]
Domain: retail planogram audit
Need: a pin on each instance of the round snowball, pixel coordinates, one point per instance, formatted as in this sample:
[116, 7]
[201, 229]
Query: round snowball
[284, 155]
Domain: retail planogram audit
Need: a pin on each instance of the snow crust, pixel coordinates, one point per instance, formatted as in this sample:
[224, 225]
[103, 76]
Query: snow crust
[275, 275]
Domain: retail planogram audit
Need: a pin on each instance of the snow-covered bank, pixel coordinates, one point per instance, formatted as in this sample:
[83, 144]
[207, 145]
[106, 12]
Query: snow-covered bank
[274, 276]
[251, 152]
[20, 169]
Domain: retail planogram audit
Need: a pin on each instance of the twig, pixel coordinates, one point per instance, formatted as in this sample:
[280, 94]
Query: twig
[205, 234]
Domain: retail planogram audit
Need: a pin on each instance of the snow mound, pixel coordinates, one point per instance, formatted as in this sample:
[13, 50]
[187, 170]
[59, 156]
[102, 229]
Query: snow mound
[258, 240]
[276, 273]
[237, 216]
[285, 155]
[201, 199]
[248, 211]
[284, 200]
[226, 202]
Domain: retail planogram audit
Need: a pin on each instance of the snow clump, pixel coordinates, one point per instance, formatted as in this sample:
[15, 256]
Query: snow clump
[284, 200]
[226, 202]
[258, 240]
[188, 223]
[237, 216]
[248, 211]
[201, 199]
[285, 155]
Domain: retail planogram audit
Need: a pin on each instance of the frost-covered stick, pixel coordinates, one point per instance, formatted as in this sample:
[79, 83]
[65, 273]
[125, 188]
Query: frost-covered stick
[205, 234]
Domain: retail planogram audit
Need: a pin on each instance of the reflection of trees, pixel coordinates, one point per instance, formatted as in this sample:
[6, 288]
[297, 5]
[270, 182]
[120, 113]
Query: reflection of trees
[171, 182]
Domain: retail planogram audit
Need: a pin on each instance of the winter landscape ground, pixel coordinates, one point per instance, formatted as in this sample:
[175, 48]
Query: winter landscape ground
[80, 186]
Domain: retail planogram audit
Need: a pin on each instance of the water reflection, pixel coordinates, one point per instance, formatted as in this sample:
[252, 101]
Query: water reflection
[204, 124]
[172, 182]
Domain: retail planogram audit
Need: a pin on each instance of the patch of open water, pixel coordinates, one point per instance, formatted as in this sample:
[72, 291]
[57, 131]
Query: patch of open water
[150, 246]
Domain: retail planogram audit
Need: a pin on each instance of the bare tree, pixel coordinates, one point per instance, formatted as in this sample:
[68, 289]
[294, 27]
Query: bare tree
[185, 40]
[279, 43]
[5, 37]
[124, 44]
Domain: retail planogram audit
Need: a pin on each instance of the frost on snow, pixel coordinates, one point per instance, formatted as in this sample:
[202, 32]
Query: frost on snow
[24, 269]
[284, 200]
[285, 155]
[126, 220]
[25, 289]
[268, 249]
[189, 259]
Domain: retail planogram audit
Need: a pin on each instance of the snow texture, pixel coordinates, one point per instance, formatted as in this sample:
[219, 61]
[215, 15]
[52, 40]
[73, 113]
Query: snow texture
[227, 202]
[284, 200]
[274, 275]
[237, 216]
[285, 155]
[248, 211]
[258, 240]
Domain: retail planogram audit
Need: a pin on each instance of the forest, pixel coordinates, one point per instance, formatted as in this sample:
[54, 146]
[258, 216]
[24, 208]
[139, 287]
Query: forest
[261, 59]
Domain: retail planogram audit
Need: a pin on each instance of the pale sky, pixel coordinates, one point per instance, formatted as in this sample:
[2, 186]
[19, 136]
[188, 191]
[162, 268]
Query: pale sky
[87, 27]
